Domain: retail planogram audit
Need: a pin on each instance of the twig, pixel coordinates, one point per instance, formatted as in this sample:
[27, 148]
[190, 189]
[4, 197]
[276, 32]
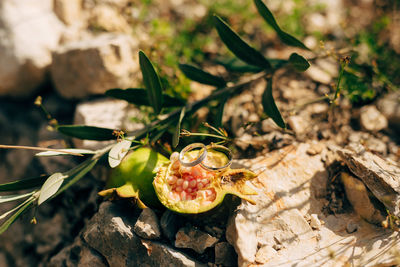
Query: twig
[40, 149]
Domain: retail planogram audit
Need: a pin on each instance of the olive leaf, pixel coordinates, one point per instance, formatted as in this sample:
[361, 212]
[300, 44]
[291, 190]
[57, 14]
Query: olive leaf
[10, 198]
[201, 76]
[87, 132]
[23, 184]
[269, 18]
[175, 139]
[118, 152]
[220, 110]
[152, 82]
[51, 186]
[270, 107]
[25, 205]
[239, 47]
[139, 96]
[236, 65]
[298, 62]
[61, 153]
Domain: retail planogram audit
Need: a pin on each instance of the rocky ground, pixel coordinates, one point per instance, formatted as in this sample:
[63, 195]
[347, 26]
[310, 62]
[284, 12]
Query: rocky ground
[324, 185]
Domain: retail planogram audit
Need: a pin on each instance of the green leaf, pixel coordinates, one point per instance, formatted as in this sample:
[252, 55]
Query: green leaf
[151, 82]
[138, 96]
[298, 62]
[177, 133]
[10, 198]
[7, 223]
[23, 184]
[118, 152]
[237, 65]
[270, 107]
[220, 111]
[201, 76]
[239, 47]
[269, 18]
[51, 186]
[60, 153]
[87, 132]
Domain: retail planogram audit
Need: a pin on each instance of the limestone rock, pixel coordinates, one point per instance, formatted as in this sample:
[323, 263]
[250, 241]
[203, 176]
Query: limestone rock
[109, 19]
[372, 120]
[69, 11]
[147, 225]
[170, 223]
[389, 105]
[225, 254]
[28, 33]
[195, 239]
[93, 66]
[115, 114]
[382, 177]
[298, 124]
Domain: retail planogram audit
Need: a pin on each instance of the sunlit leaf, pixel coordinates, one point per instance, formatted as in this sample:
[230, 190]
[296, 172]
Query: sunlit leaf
[50, 187]
[23, 184]
[239, 47]
[201, 76]
[269, 18]
[87, 132]
[10, 198]
[118, 152]
[7, 223]
[175, 138]
[299, 62]
[151, 82]
[60, 153]
[270, 107]
[138, 96]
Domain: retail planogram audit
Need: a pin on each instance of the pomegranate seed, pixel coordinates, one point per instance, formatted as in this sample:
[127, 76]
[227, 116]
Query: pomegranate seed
[185, 185]
[200, 185]
[189, 190]
[192, 183]
[172, 179]
[175, 165]
[174, 156]
[179, 182]
[205, 181]
[185, 170]
[178, 189]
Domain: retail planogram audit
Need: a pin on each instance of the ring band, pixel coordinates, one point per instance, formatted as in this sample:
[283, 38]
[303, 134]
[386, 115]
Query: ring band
[222, 149]
[200, 157]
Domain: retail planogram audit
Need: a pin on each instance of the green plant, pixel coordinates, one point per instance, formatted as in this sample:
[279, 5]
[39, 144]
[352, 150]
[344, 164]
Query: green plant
[168, 113]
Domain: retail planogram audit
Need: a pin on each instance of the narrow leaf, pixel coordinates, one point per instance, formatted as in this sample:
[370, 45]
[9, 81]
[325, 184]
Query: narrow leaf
[239, 47]
[23, 184]
[220, 111]
[269, 18]
[87, 132]
[118, 152]
[298, 62]
[201, 76]
[151, 82]
[60, 153]
[51, 186]
[7, 223]
[270, 107]
[138, 96]
[10, 198]
[175, 139]
[236, 65]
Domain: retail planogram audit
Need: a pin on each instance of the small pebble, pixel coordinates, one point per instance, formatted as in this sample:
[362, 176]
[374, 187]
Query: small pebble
[351, 227]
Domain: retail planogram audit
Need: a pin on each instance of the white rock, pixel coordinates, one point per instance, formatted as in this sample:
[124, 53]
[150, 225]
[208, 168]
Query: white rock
[147, 225]
[109, 19]
[69, 11]
[315, 223]
[372, 120]
[298, 124]
[115, 114]
[265, 253]
[28, 33]
[195, 239]
[95, 65]
[389, 105]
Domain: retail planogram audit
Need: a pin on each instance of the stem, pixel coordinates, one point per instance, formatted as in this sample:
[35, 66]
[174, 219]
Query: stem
[40, 149]
[313, 101]
[206, 134]
[337, 92]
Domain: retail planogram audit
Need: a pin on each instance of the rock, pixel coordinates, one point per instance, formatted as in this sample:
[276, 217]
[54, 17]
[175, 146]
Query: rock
[351, 227]
[115, 114]
[389, 105]
[68, 11]
[225, 254]
[147, 225]
[318, 74]
[289, 186]
[28, 33]
[268, 125]
[382, 177]
[110, 233]
[192, 238]
[170, 223]
[264, 254]
[315, 148]
[298, 124]
[244, 141]
[93, 66]
[315, 223]
[372, 120]
[109, 19]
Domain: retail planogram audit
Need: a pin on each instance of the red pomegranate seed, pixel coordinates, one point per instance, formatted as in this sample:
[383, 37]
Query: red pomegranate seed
[178, 189]
[192, 183]
[179, 182]
[200, 185]
[185, 185]
[172, 179]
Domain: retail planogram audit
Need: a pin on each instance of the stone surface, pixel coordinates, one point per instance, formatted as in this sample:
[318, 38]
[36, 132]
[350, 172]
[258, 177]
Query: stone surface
[389, 105]
[110, 232]
[298, 124]
[381, 176]
[291, 186]
[170, 223]
[225, 254]
[109, 19]
[315, 223]
[195, 239]
[28, 33]
[372, 120]
[68, 11]
[94, 65]
[147, 225]
[115, 114]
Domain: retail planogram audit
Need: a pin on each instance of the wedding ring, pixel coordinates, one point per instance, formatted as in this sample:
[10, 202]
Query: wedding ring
[208, 165]
[186, 161]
